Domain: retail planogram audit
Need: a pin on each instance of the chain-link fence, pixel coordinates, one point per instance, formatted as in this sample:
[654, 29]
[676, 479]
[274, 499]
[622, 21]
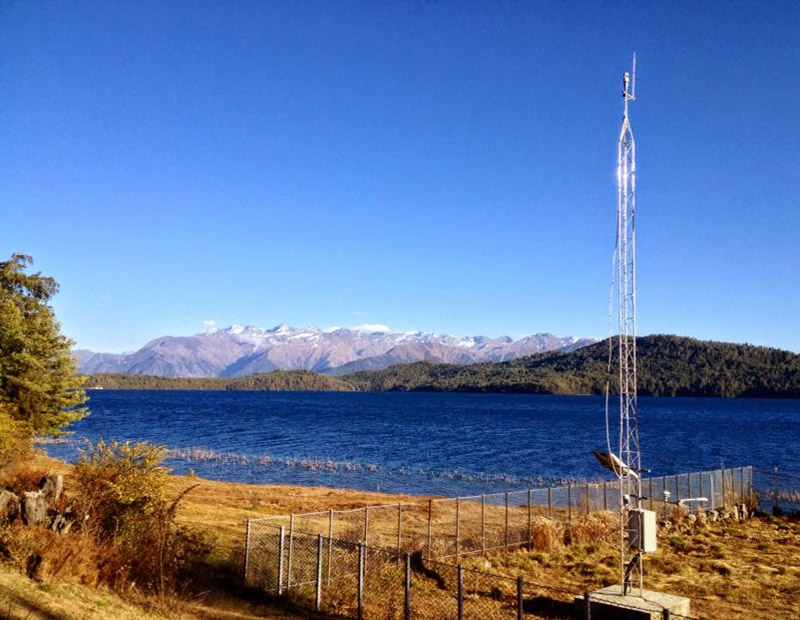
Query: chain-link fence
[455, 527]
[391, 561]
[353, 580]
[778, 488]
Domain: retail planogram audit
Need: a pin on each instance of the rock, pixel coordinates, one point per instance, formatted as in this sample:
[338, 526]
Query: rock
[9, 506]
[34, 508]
[62, 523]
[52, 486]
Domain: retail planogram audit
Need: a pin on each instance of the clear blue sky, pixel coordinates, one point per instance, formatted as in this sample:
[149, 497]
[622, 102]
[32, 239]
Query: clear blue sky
[443, 166]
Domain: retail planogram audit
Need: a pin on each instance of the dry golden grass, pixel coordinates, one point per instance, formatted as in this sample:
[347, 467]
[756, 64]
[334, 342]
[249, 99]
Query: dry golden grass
[729, 570]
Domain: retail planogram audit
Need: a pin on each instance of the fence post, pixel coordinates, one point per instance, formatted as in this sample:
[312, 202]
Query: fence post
[291, 550]
[605, 496]
[700, 476]
[665, 614]
[506, 534]
[407, 597]
[458, 527]
[483, 524]
[678, 488]
[587, 604]
[366, 525]
[530, 522]
[520, 609]
[722, 471]
[360, 595]
[330, 543]
[318, 599]
[460, 592]
[650, 480]
[549, 501]
[588, 499]
[569, 502]
[399, 528]
[776, 490]
[247, 550]
[741, 485]
[281, 547]
[430, 521]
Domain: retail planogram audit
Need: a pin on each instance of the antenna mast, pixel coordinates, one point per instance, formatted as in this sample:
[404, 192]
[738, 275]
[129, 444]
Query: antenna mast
[629, 451]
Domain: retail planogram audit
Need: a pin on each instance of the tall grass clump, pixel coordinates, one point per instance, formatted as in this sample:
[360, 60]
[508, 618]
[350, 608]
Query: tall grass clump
[123, 508]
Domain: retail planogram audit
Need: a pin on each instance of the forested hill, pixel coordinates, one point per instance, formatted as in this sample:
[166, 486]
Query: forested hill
[281, 380]
[667, 366]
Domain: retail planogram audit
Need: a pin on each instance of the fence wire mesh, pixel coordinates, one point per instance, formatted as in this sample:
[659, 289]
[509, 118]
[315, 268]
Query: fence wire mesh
[401, 560]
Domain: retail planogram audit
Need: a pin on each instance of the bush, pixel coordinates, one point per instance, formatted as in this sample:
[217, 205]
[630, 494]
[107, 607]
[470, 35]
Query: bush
[121, 497]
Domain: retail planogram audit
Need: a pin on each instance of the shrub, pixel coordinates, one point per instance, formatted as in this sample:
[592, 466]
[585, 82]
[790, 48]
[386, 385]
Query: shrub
[121, 496]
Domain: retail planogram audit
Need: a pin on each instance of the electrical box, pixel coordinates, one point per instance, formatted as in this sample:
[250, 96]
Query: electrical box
[642, 530]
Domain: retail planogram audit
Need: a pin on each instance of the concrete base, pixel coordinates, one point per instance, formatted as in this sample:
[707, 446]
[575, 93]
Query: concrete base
[610, 604]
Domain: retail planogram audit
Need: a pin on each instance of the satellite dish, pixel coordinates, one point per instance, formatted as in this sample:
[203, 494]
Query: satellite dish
[613, 463]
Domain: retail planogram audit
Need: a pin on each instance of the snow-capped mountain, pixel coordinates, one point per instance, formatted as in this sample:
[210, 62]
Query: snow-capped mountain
[237, 351]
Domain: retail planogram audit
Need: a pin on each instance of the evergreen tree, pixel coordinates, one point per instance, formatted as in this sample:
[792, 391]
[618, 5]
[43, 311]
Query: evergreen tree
[39, 391]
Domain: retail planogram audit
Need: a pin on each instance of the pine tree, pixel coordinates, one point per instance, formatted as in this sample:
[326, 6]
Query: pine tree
[39, 391]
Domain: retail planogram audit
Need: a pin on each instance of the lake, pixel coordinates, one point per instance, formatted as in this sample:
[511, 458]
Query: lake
[431, 443]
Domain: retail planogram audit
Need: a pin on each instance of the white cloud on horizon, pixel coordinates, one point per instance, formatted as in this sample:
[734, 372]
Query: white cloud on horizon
[209, 323]
[372, 327]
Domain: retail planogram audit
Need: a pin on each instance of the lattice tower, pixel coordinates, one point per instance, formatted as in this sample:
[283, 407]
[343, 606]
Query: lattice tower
[629, 450]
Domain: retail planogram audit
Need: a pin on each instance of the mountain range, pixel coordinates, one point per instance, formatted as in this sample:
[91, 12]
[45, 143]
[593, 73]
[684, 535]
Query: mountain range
[238, 351]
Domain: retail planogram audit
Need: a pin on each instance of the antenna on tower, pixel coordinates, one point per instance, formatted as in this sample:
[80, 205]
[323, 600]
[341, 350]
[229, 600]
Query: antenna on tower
[637, 533]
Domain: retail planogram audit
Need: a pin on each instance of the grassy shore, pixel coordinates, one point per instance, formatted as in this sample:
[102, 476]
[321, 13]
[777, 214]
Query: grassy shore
[730, 570]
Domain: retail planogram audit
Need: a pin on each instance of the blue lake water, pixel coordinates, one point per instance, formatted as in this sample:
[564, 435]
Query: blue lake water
[422, 443]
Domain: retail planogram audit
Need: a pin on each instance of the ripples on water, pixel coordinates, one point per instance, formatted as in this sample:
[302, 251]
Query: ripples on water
[430, 443]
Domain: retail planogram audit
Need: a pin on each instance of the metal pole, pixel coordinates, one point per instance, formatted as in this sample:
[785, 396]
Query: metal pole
[549, 501]
[399, 527]
[460, 592]
[777, 495]
[588, 500]
[291, 550]
[665, 614]
[360, 595]
[520, 585]
[483, 524]
[318, 600]
[366, 525]
[430, 521]
[530, 523]
[651, 493]
[330, 543]
[569, 502]
[741, 485]
[587, 603]
[247, 550]
[678, 488]
[506, 535]
[407, 598]
[722, 471]
[605, 496]
[281, 547]
[458, 527]
[700, 476]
